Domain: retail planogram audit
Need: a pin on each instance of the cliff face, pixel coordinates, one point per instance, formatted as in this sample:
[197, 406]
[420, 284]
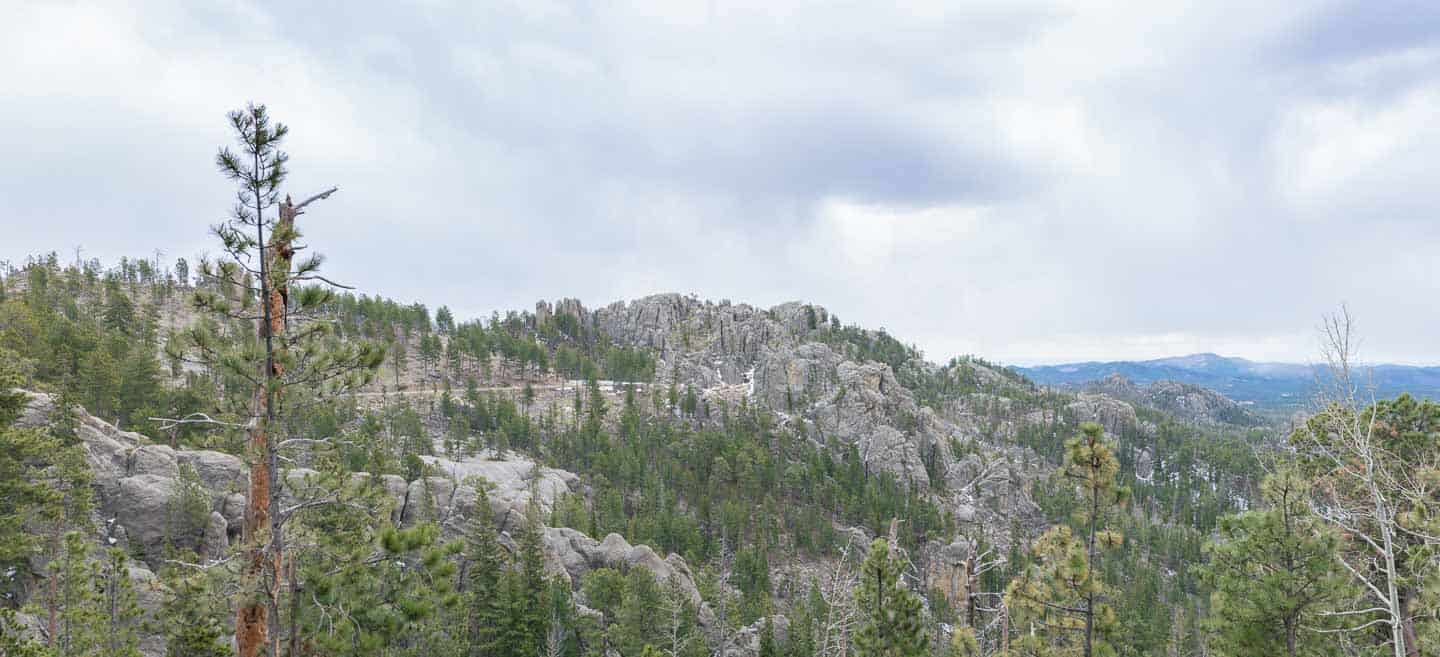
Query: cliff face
[789, 360]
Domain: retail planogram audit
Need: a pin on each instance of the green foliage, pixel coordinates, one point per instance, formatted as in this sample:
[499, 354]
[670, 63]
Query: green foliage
[526, 622]
[637, 625]
[120, 608]
[80, 608]
[189, 511]
[752, 577]
[23, 457]
[768, 646]
[15, 641]
[963, 643]
[1063, 596]
[891, 616]
[1274, 574]
[194, 617]
[362, 605]
[481, 573]
[604, 588]
[1057, 595]
[1375, 475]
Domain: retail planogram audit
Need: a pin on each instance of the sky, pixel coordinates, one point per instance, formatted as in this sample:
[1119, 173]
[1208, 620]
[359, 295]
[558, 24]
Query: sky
[1029, 181]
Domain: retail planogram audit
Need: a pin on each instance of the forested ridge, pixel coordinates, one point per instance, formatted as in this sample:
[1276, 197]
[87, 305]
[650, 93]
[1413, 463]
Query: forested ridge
[823, 489]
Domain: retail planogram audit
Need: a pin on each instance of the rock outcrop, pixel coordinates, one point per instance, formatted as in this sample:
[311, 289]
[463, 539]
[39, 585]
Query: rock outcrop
[1185, 400]
[788, 359]
[745, 642]
[571, 553]
[703, 343]
[136, 482]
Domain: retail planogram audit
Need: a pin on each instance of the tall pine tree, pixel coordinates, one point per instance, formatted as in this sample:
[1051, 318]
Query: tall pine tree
[1274, 573]
[1059, 604]
[891, 615]
[291, 357]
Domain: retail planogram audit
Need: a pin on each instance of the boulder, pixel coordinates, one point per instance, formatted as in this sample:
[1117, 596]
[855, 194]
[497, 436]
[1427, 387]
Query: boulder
[216, 540]
[427, 499]
[1112, 414]
[233, 508]
[220, 473]
[573, 553]
[396, 487]
[149, 596]
[143, 510]
[746, 641]
[156, 460]
[514, 483]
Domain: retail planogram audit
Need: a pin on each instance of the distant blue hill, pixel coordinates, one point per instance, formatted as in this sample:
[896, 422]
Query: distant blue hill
[1271, 386]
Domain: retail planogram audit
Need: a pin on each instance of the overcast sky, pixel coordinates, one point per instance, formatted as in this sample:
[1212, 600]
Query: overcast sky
[1027, 181]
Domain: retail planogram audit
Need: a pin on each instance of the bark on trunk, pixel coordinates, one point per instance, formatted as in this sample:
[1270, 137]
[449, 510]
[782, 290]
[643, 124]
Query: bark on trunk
[1407, 624]
[252, 622]
[255, 625]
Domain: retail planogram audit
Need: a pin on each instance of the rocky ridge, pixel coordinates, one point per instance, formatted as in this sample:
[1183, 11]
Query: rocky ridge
[1185, 400]
[785, 359]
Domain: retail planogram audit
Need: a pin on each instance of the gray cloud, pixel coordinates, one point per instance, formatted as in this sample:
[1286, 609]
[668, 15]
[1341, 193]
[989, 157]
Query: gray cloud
[1027, 181]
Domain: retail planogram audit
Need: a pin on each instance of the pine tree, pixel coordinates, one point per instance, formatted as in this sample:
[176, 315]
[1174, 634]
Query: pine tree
[891, 623]
[752, 572]
[120, 608]
[291, 357]
[768, 646]
[24, 454]
[366, 605]
[604, 590]
[14, 641]
[484, 565]
[188, 510]
[636, 626]
[1062, 597]
[79, 631]
[1273, 571]
[963, 643]
[191, 618]
[562, 639]
[534, 606]
[679, 621]
[525, 620]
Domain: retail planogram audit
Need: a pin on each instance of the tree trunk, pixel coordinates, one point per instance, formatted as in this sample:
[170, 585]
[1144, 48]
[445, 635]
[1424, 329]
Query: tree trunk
[255, 625]
[1090, 557]
[294, 634]
[1385, 518]
[53, 604]
[252, 621]
[1407, 624]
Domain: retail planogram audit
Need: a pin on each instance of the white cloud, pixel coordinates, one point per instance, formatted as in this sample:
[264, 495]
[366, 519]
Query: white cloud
[874, 236]
[1326, 147]
[1027, 181]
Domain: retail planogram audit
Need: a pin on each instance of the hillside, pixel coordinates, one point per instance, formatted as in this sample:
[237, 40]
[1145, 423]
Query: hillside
[751, 450]
[1184, 400]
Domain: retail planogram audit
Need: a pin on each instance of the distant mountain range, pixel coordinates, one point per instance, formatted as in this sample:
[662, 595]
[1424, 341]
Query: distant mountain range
[1269, 386]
